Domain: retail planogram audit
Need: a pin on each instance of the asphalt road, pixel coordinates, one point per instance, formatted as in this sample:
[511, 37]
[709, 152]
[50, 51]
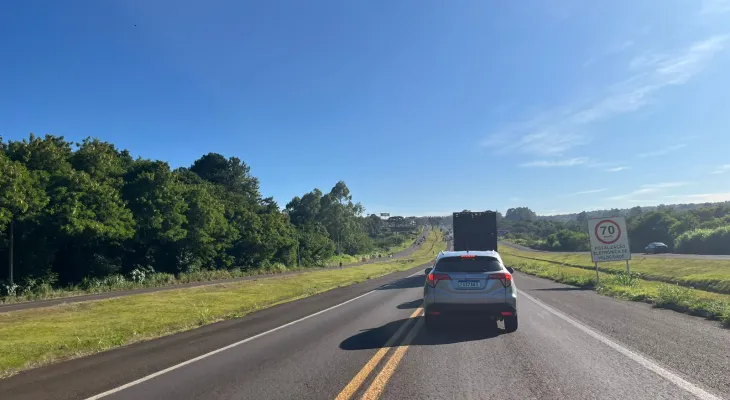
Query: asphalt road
[633, 255]
[571, 344]
[120, 293]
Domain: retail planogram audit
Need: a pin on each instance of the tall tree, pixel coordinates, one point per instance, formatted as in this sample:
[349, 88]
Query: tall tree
[232, 173]
[520, 214]
[156, 199]
[20, 197]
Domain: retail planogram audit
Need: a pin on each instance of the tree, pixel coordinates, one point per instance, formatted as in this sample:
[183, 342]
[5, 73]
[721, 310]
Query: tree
[20, 197]
[156, 199]
[306, 209]
[50, 154]
[89, 221]
[90, 211]
[654, 226]
[315, 245]
[233, 174]
[373, 225]
[101, 161]
[206, 228]
[339, 215]
[635, 212]
[520, 214]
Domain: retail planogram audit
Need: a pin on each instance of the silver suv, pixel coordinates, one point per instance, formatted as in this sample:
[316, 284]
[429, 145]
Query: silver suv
[470, 282]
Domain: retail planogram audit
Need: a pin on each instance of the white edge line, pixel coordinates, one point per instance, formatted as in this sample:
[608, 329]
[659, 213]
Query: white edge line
[232, 345]
[640, 359]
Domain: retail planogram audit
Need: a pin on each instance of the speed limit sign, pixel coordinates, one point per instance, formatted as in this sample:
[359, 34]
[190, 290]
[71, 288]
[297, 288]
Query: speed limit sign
[609, 239]
[607, 231]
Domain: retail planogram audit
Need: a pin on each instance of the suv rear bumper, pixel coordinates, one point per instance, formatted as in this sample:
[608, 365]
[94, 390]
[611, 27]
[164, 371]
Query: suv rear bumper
[493, 310]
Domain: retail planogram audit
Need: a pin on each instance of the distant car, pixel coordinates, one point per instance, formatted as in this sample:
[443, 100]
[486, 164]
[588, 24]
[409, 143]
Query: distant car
[469, 283]
[656, 248]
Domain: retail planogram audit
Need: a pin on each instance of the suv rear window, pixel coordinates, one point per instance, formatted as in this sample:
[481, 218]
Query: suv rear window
[470, 264]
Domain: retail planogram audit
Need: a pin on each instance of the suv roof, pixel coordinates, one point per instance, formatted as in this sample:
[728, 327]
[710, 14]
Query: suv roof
[478, 253]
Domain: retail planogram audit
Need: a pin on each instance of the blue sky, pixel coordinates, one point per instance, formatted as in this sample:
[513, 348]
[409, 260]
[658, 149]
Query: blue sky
[422, 107]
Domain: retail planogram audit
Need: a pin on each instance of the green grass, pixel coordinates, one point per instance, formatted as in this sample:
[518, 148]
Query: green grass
[40, 336]
[710, 305]
[710, 275]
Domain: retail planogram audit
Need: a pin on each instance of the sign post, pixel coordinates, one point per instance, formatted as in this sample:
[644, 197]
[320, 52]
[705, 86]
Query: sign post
[609, 241]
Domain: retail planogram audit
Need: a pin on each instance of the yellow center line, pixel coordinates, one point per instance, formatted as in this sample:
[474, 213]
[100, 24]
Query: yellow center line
[376, 388]
[368, 368]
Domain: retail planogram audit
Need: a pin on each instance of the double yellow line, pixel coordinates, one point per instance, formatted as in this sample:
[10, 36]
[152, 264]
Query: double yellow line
[375, 390]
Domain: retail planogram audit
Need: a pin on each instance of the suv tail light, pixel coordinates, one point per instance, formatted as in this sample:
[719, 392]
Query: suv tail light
[505, 277]
[434, 278]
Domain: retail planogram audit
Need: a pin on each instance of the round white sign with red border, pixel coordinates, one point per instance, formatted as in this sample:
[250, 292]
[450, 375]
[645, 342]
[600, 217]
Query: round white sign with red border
[607, 231]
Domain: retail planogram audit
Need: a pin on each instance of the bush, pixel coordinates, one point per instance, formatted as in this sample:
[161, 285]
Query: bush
[624, 279]
[704, 241]
[565, 240]
[115, 282]
[160, 279]
[276, 268]
[675, 295]
[9, 289]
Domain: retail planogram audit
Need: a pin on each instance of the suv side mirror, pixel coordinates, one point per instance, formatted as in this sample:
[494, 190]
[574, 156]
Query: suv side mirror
[428, 270]
[511, 270]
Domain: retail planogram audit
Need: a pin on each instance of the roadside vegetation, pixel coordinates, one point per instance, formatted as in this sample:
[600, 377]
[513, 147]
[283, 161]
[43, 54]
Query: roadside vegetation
[685, 228]
[43, 335]
[715, 306]
[40, 290]
[708, 275]
[87, 217]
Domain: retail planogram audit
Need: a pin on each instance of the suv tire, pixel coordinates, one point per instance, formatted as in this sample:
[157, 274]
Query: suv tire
[510, 324]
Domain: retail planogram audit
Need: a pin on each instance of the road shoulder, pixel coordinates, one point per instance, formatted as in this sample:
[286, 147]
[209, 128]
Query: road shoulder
[689, 345]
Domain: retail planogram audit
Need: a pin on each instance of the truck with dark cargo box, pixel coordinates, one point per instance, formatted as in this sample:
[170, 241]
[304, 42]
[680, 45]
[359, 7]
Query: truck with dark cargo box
[476, 231]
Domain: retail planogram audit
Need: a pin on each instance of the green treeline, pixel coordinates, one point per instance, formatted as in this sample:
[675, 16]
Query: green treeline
[89, 210]
[704, 229]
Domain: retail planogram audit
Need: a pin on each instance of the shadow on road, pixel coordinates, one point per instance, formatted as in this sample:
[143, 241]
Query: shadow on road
[447, 333]
[406, 283]
[411, 305]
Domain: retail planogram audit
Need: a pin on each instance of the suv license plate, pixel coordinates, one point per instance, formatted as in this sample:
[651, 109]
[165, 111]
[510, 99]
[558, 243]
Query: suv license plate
[469, 284]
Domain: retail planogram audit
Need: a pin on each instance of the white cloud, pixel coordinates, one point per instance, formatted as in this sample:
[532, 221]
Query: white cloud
[701, 198]
[722, 169]
[663, 151]
[556, 163]
[561, 129]
[616, 169]
[549, 212]
[647, 189]
[663, 185]
[591, 191]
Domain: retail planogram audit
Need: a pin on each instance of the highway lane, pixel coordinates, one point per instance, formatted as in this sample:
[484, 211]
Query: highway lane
[572, 344]
[634, 255]
[108, 295]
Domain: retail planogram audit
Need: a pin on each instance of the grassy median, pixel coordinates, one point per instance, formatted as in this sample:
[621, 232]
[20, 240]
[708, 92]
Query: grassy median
[710, 275]
[35, 337]
[702, 303]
